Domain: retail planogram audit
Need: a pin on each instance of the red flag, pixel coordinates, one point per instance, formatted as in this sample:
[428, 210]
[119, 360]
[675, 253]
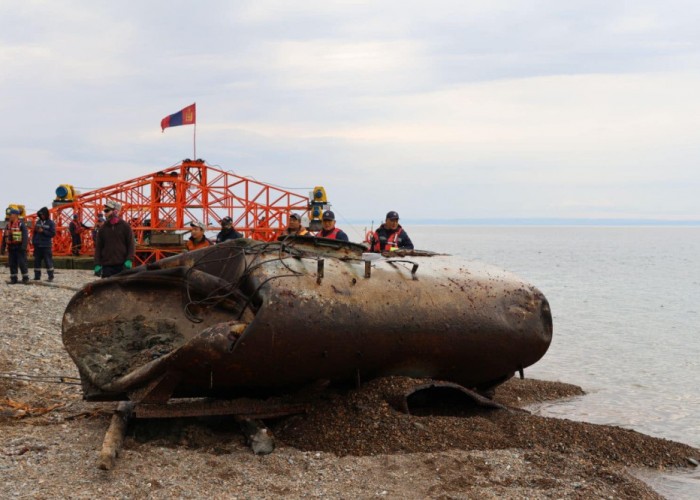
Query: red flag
[186, 116]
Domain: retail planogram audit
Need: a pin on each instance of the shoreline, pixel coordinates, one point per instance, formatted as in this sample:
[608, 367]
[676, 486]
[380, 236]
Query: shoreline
[350, 444]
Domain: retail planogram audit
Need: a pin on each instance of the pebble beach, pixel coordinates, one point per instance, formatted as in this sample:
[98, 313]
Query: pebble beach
[352, 443]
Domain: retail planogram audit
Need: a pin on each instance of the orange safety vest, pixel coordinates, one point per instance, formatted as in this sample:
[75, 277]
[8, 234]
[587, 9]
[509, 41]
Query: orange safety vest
[191, 245]
[302, 231]
[391, 242]
[331, 236]
[13, 233]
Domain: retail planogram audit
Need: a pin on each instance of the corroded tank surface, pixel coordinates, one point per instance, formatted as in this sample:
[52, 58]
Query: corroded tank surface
[245, 317]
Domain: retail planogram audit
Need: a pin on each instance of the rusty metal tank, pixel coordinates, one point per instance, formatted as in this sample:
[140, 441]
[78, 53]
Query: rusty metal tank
[251, 318]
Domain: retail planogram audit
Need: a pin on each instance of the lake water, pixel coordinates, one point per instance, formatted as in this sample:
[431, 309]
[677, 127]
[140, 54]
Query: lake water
[626, 309]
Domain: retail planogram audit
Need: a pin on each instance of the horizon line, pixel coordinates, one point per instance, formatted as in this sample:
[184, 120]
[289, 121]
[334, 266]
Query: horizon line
[548, 221]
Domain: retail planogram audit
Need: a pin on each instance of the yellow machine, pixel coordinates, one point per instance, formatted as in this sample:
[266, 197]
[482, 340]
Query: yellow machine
[16, 206]
[318, 203]
[65, 193]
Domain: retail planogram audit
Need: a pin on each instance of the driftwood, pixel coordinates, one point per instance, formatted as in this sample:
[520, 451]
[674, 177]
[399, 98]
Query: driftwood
[114, 438]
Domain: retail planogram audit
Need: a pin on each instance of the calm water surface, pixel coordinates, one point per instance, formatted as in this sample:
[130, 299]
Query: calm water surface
[625, 304]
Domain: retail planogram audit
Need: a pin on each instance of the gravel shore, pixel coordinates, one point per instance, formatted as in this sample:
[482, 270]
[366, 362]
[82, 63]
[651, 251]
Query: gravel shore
[352, 443]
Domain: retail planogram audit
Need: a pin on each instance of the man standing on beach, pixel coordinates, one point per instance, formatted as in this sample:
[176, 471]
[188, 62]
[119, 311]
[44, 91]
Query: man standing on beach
[114, 248]
[15, 240]
[76, 228]
[42, 240]
[98, 225]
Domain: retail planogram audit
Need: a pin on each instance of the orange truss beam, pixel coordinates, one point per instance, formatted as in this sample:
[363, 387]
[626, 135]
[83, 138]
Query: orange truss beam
[167, 200]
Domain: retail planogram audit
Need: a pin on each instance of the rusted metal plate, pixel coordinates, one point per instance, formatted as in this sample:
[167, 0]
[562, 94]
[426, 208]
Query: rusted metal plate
[243, 408]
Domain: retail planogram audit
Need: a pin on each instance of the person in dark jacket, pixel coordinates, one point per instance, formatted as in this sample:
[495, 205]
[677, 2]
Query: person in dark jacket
[227, 231]
[329, 230]
[98, 225]
[15, 240]
[76, 228]
[115, 247]
[42, 240]
[390, 236]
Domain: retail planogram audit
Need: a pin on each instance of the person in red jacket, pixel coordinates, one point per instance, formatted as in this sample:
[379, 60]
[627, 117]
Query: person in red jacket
[76, 229]
[390, 236]
[329, 230]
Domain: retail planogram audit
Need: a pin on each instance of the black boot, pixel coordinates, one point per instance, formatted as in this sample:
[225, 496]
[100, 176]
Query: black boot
[13, 280]
[25, 279]
[37, 275]
[50, 271]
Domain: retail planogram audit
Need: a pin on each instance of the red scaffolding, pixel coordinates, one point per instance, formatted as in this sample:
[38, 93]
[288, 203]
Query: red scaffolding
[164, 202]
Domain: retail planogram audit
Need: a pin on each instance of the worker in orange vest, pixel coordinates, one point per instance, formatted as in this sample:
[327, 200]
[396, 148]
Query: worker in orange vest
[329, 230]
[197, 240]
[390, 236]
[15, 240]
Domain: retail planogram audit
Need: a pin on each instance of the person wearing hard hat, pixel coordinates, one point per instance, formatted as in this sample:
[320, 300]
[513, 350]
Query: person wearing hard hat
[390, 236]
[227, 231]
[42, 240]
[197, 240]
[15, 240]
[329, 230]
[295, 228]
[114, 247]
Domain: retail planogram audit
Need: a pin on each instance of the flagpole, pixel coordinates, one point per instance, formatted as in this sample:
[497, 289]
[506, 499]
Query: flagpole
[194, 142]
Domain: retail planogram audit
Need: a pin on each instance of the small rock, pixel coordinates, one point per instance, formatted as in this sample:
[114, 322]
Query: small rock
[262, 442]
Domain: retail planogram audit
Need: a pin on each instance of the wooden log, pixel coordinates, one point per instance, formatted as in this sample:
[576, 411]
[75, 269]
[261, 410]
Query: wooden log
[114, 438]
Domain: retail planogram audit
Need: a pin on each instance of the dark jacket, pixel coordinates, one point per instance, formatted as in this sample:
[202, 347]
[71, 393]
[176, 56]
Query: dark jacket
[228, 234]
[43, 238]
[382, 236]
[115, 244]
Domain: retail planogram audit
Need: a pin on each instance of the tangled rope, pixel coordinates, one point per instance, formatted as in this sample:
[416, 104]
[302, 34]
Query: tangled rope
[233, 291]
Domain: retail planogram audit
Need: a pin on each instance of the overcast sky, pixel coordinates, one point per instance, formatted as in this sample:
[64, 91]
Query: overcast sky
[440, 109]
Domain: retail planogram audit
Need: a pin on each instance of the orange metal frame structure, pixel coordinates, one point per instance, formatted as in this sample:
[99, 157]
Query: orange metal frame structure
[167, 200]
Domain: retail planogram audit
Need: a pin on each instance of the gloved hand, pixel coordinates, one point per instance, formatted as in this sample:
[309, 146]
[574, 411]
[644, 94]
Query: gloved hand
[98, 270]
[128, 264]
